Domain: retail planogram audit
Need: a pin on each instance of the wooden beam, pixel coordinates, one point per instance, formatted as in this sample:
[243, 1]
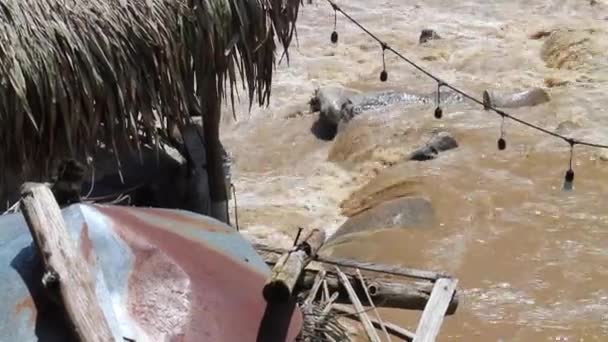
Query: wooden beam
[435, 310]
[67, 275]
[286, 272]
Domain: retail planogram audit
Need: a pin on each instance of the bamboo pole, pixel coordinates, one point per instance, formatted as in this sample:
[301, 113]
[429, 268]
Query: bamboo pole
[371, 303]
[367, 324]
[364, 266]
[67, 275]
[289, 267]
[392, 328]
[315, 288]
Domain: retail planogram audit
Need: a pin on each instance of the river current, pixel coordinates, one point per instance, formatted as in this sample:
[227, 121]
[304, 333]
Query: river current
[532, 260]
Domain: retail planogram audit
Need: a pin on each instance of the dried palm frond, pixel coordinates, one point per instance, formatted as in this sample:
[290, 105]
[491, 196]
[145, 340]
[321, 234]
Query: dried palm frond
[79, 74]
[322, 325]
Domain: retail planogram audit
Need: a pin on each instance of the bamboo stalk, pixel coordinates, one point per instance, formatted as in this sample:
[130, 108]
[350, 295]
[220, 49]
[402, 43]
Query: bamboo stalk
[371, 303]
[286, 272]
[364, 266]
[367, 324]
[392, 328]
[315, 288]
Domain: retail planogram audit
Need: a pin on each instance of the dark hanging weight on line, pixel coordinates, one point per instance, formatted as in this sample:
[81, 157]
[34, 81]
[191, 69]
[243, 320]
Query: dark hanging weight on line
[502, 144]
[383, 76]
[438, 113]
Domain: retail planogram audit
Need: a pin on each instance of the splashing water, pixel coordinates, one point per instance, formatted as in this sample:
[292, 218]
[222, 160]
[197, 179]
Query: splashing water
[532, 259]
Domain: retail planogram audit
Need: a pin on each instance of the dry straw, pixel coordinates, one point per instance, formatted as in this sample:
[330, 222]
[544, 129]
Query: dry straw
[79, 74]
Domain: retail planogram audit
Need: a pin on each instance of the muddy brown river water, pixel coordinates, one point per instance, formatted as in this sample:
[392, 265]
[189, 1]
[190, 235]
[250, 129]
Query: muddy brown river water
[532, 259]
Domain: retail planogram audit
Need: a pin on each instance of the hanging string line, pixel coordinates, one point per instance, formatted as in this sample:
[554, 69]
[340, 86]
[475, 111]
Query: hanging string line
[442, 83]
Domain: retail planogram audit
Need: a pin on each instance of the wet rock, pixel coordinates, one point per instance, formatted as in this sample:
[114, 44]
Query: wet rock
[440, 142]
[400, 213]
[391, 183]
[369, 139]
[428, 34]
[328, 101]
[527, 98]
[540, 34]
[338, 106]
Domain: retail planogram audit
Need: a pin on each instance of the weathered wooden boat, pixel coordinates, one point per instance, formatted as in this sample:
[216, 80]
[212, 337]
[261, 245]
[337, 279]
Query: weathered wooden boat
[160, 275]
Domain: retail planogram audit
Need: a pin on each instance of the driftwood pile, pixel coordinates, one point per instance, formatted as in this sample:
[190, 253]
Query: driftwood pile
[323, 292]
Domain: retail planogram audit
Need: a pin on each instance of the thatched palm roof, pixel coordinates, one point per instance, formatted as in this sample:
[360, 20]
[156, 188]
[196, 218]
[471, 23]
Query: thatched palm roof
[76, 72]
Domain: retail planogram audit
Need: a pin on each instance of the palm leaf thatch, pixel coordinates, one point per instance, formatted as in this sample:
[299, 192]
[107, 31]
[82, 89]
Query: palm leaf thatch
[79, 74]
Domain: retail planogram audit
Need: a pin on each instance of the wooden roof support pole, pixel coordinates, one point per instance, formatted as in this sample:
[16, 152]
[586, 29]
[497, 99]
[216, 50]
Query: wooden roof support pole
[215, 162]
[66, 272]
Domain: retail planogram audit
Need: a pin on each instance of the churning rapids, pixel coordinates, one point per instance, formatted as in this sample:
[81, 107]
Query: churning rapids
[532, 259]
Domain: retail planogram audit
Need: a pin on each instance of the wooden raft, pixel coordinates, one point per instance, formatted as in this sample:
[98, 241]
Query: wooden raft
[433, 293]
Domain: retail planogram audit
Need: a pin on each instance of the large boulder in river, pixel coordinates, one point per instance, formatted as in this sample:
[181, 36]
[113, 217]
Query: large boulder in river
[399, 213]
[328, 101]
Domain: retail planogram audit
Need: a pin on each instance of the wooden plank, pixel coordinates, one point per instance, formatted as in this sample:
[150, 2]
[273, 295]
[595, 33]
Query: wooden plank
[392, 328]
[435, 310]
[363, 317]
[285, 274]
[67, 275]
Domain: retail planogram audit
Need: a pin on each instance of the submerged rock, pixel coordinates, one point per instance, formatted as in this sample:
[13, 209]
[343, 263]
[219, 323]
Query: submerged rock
[400, 213]
[440, 142]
